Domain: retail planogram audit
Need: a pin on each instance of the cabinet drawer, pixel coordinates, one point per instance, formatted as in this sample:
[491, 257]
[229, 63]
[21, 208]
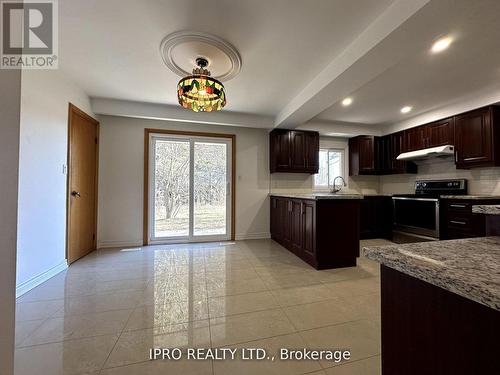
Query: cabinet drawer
[455, 233]
[459, 223]
[459, 206]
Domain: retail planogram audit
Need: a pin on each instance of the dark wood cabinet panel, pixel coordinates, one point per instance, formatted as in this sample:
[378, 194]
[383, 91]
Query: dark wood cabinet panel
[305, 227]
[441, 133]
[312, 152]
[369, 155]
[293, 151]
[416, 138]
[457, 220]
[362, 155]
[477, 135]
[424, 328]
[375, 217]
[308, 226]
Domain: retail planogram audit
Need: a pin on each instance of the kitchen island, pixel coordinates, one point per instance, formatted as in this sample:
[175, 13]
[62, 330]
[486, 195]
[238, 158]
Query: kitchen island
[440, 306]
[320, 228]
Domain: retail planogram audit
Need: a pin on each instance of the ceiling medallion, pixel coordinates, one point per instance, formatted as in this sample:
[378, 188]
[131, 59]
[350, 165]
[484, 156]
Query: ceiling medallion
[200, 92]
[178, 49]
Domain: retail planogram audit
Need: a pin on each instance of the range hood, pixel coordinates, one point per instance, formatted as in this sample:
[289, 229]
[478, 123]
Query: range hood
[440, 152]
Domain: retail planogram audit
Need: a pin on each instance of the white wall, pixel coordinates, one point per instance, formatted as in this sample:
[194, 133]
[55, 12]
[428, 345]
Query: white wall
[42, 183]
[121, 178]
[10, 81]
[304, 183]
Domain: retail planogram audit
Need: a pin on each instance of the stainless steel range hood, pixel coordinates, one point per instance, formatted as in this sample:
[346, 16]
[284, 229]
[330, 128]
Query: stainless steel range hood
[440, 152]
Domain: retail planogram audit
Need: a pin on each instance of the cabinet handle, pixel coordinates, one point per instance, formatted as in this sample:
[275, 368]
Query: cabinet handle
[458, 205]
[458, 222]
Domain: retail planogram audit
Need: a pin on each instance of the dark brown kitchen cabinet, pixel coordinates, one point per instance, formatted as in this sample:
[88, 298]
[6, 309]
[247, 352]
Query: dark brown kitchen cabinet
[441, 133]
[477, 135]
[323, 233]
[375, 217]
[294, 151]
[362, 155]
[457, 220]
[415, 138]
[398, 146]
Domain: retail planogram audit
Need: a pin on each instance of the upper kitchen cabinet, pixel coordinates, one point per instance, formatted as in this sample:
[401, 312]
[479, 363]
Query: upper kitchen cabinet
[398, 146]
[415, 138]
[294, 151]
[441, 133]
[477, 138]
[362, 157]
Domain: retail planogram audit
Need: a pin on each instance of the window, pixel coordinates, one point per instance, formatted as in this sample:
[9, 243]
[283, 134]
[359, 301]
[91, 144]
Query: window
[331, 165]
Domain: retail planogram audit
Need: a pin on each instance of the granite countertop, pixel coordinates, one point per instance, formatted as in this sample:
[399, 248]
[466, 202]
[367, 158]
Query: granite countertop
[318, 196]
[476, 197]
[467, 267]
[487, 209]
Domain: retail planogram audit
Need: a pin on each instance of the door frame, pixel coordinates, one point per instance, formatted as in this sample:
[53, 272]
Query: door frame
[147, 133]
[72, 111]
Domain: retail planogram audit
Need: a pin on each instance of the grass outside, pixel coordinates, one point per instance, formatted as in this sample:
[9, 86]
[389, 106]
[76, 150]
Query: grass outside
[208, 220]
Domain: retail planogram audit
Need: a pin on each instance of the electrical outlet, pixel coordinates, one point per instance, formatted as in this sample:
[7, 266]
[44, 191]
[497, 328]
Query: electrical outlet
[64, 169]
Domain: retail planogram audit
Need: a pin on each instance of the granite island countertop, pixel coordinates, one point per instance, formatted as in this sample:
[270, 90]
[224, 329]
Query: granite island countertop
[317, 196]
[486, 209]
[468, 267]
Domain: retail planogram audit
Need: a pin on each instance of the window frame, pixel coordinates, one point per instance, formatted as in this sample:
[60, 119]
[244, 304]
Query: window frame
[338, 147]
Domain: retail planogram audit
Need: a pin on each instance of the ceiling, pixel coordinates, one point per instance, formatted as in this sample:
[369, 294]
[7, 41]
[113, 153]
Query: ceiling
[299, 58]
[112, 48]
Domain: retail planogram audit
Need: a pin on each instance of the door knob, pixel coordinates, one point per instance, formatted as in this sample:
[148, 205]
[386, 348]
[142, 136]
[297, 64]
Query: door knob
[75, 194]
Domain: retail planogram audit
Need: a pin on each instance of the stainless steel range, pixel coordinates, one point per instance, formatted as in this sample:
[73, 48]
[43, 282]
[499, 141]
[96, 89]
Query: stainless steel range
[417, 215]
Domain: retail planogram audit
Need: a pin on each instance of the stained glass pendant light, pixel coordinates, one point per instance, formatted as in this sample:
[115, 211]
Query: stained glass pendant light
[200, 92]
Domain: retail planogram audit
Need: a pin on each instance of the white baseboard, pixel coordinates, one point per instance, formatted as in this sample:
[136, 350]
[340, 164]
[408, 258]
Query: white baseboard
[39, 279]
[252, 236]
[108, 244]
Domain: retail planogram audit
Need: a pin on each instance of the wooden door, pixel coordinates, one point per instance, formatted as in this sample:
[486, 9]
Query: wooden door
[473, 139]
[441, 133]
[282, 150]
[297, 142]
[83, 132]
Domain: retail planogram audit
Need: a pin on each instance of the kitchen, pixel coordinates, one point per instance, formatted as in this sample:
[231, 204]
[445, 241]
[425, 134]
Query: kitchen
[251, 187]
[441, 277]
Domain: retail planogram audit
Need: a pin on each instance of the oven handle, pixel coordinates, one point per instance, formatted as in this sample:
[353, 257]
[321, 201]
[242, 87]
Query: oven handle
[416, 199]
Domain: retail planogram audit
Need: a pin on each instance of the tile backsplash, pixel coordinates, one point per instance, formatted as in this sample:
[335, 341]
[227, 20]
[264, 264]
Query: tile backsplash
[303, 183]
[481, 181]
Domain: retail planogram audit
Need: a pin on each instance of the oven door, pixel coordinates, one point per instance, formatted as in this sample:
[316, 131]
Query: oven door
[416, 215]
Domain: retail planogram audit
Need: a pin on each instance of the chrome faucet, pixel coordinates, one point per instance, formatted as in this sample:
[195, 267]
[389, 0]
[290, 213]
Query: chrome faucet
[334, 188]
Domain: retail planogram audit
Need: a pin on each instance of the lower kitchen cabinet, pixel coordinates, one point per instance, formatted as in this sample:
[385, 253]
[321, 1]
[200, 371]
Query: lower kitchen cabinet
[323, 233]
[457, 220]
[375, 217]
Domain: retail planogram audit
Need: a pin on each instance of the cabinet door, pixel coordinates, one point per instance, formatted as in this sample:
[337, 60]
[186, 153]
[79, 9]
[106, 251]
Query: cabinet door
[398, 147]
[366, 154]
[473, 131]
[308, 225]
[296, 225]
[275, 218]
[298, 144]
[279, 153]
[416, 138]
[312, 152]
[441, 133]
[383, 154]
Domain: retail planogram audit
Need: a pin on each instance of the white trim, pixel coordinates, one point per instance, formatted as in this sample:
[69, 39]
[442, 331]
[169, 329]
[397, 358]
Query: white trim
[153, 137]
[109, 244]
[252, 236]
[39, 279]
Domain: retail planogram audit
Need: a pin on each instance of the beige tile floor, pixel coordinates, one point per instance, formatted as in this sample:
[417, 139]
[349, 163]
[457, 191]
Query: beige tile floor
[105, 312]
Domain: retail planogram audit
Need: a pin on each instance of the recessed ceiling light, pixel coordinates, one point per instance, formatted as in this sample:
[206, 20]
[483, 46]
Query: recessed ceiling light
[406, 109]
[441, 44]
[346, 102]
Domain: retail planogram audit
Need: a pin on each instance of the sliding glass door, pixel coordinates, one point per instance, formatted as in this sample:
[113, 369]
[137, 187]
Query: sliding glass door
[189, 188]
